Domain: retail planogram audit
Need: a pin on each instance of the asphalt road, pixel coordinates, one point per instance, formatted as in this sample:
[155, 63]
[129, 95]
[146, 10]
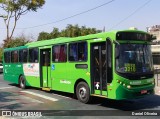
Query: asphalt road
[14, 98]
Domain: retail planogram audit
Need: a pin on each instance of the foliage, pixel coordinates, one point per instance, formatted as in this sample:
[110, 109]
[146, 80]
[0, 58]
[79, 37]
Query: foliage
[14, 42]
[14, 9]
[43, 35]
[69, 31]
[18, 41]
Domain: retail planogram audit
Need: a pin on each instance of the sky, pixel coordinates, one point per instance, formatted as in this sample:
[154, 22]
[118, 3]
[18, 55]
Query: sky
[117, 15]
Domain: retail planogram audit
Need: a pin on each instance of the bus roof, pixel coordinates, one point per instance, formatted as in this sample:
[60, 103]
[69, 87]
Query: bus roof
[15, 48]
[79, 38]
[68, 39]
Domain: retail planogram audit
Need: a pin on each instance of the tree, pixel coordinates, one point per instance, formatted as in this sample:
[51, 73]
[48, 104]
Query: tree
[1, 53]
[69, 31]
[55, 33]
[14, 9]
[44, 36]
[17, 41]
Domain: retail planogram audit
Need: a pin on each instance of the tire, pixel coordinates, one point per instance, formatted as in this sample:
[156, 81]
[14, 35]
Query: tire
[22, 82]
[83, 92]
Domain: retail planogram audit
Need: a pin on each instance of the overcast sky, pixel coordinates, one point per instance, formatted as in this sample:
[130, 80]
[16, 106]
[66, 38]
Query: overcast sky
[118, 15]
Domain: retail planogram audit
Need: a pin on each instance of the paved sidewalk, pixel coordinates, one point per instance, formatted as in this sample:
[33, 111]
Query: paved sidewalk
[157, 90]
[157, 84]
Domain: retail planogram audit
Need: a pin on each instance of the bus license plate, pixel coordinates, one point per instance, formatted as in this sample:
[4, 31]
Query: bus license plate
[143, 91]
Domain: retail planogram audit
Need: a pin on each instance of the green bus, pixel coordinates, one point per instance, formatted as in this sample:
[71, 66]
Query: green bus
[116, 65]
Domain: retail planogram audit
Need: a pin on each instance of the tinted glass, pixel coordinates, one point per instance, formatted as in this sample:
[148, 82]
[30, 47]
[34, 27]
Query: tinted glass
[33, 55]
[7, 56]
[14, 56]
[78, 51]
[134, 58]
[133, 36]
[59, 53]
[23, 54]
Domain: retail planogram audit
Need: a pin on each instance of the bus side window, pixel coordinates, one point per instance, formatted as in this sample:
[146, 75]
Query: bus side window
[14, 56]
[33, 55]
[7, 56]
[82, 51]
[73, 52]
[23, 54]
[59, 53]
[20, 55]
[78, 51]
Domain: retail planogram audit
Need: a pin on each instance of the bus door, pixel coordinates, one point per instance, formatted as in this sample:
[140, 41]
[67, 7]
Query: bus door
[98, 68]
[45, 67]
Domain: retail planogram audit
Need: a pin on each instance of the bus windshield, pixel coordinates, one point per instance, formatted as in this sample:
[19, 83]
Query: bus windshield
[134, 59]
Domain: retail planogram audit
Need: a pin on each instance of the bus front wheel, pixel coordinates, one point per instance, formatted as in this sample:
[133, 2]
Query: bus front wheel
[83, 92]
[22, 82]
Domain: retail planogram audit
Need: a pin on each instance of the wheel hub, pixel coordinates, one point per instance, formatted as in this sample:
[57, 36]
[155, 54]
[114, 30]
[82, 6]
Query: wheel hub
[82, 92]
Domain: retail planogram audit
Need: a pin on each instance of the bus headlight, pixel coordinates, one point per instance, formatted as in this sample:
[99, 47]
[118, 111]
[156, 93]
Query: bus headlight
[118, 81]
[128, 86]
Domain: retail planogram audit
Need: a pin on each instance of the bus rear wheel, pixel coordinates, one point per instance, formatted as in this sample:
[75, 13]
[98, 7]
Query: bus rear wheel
[22, 82]
[83, 92]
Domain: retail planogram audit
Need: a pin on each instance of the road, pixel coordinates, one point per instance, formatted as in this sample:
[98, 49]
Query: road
[14, 98]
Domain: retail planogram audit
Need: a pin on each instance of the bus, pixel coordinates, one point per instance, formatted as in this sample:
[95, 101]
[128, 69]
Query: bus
[116, 65]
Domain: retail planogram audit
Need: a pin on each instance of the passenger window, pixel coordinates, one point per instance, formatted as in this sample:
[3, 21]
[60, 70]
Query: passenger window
[7, 57]
[14, 56]
[78, 51]
[23, 54]
[33, 55]
[59, 53]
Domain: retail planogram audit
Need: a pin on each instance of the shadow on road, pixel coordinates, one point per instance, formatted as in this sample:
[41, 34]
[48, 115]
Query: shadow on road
[147, 102]
[6, 101]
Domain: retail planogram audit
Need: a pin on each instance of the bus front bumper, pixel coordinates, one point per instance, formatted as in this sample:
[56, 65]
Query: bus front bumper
[124, 93]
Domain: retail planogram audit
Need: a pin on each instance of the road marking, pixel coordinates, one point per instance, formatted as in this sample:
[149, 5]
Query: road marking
[62, 96]
[31, 100]
[6, 87]
[42, 96]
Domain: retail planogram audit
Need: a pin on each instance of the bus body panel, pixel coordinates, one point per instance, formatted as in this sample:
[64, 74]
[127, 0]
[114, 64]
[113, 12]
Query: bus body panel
[63, 76]
[31, 74]
[12, 72]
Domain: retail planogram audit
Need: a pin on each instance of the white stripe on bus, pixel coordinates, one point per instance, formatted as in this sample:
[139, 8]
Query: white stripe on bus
[42, 96]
